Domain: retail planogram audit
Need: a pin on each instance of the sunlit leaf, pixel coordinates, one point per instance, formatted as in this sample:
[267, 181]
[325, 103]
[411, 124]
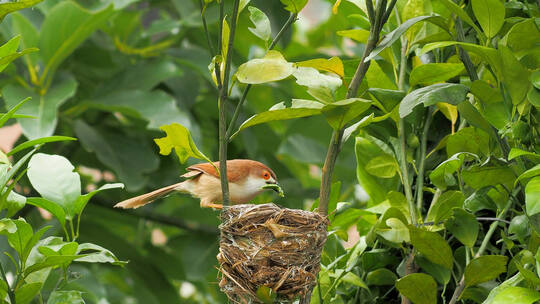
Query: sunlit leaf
[333, 65]
[490, 15]
[262, 24]
[484, 268]
[430, 73]
[432, 246]
[420, 288]
[532, 196]
[178, 138]
[271, 67]
[441, 92]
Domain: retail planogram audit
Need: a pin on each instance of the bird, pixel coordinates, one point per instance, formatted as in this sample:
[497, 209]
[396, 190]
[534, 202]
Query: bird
[246, 180]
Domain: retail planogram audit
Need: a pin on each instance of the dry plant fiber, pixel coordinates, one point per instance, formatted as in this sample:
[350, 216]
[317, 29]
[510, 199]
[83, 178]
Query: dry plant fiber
[266, 245]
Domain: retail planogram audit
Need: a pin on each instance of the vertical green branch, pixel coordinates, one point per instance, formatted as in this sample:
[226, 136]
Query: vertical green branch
[377, 18]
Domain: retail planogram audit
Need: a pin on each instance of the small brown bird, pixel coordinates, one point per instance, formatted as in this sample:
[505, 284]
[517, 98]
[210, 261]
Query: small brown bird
[246, 180]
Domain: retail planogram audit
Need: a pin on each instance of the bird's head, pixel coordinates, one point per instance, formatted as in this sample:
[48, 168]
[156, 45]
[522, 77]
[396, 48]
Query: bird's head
[261, 177]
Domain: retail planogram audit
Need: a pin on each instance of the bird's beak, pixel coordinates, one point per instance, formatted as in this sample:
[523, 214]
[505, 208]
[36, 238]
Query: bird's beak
[273, 183]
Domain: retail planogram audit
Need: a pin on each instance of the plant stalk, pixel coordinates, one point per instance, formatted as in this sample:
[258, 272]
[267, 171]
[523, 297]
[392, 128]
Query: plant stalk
[421, 166]
[223, 95]
[205, 27]
[9, 290]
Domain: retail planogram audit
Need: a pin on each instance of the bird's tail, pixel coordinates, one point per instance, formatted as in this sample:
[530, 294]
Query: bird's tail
[141, 200]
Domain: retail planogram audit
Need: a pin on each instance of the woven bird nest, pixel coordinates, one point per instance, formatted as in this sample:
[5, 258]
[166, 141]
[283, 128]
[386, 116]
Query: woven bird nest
[266, 245]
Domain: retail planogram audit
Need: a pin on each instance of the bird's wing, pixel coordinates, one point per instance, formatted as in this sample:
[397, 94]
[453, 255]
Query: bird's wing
[235, 170]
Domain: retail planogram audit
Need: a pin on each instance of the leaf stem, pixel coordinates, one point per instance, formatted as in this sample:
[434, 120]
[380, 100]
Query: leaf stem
[205, 27]
[232, 123]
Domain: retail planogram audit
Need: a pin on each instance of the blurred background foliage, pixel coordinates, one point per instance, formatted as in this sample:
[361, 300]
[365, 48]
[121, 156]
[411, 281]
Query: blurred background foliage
[111, 72]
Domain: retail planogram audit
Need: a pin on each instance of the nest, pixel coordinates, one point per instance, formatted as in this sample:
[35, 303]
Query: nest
[265, 245]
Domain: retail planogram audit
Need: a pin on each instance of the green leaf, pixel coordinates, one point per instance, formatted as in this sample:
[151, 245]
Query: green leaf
[179, 138]
[441, 92]
[266, 295]
[53, 177]
[332, 65]
[443, 175]
[470, 141]
[516, 295]
[43, 107]
[272, 67]
[454, 8]
[56, 210]
[65, 27]
[376, 188]
[7, 49]
[441, 274]
[411, 9]
[299, 108]
[485, 92]
[27, 292]
[464, 227]
[294, 6]
[66, 297]
[18, 238]
[480, 176]
[29, 39]
[10, 7]
[515, 152]
[490, 15]
[484, 268]
[339, 113]
[471, 114]
[385, 99]
[5, 117]
[320, 86]
[535, 79]
[522, 37]
[514, 75]
[384, 166]
[381, 277]
[82, 200]
[52, 261]
[14, 203]
[7, 226]
[97, 254]
[38, 141]
[532, 196]
[391, 37]
[420, 288]
[396, 233]
[359, 35]
[431, 73]
[262, 24]
[432, 246]
[534, 171]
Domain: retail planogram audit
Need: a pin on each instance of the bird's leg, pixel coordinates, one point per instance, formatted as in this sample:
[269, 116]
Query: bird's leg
[206, 204]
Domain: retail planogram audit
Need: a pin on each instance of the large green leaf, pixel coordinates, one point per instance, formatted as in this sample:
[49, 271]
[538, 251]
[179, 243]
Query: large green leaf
[522, 37]
[38, 141]
[397, 231]
[53, 177]
[55, 209]
[97, 254]
[432, 246]
[484, 268]
[420, 288]
[532, 196]
[469, 140]
[271, 67]
[534, 171]
[10, 7]
[431, 73]
[490, 15]
[178, 138]
[384, 166]
[29, 39]
[298, 108]
[65, 27]
[451, 93]
[464, 226]
[43, 107]
[514, 74]
[443, 175]
[484, 175]
[17, 238]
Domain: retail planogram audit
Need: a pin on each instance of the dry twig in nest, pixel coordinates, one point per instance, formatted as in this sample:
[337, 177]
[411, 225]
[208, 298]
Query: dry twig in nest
[265, 245]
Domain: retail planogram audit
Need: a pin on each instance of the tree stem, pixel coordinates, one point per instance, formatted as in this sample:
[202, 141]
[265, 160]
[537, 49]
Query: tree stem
[223, 95]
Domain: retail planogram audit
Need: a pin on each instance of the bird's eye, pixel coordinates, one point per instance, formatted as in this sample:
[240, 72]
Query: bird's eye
[266, 175]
